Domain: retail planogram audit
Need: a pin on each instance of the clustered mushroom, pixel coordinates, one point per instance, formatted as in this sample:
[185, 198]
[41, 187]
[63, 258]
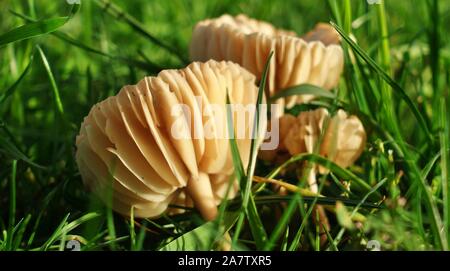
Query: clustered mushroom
[315, 58]
[343, 138]
[127, 142]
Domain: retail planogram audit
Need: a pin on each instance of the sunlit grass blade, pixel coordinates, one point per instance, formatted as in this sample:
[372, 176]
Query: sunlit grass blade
[339, 171]
[303, 89]
[238, 169]
[201, 238]
[35, 29]
[284, 242]
[256, 132]
[55, 89]
[250, 209]
[32, 30]
[66, 227]
[248, 203]
[444, 137]
[237, 162]
[147, 65]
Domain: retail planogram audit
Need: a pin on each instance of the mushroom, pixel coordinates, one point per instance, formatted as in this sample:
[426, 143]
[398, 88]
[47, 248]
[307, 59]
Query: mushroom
[161, 141]
[323, 32]
[315, 59]
[343, 140]
[280, 153]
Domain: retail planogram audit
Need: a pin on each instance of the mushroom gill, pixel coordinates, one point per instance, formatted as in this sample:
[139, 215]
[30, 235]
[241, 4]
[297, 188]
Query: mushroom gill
[161, 141]
[315, 58]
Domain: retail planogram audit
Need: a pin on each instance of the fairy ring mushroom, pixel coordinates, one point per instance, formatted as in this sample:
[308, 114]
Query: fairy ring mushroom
[343, 140]
[129, 143]
[315, 58]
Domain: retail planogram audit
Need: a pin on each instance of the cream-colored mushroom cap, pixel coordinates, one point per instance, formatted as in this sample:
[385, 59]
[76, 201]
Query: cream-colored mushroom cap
[159, 142]
[315, 59]
[343, 140]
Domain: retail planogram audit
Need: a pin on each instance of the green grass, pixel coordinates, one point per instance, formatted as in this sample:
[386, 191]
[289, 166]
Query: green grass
[56, 61]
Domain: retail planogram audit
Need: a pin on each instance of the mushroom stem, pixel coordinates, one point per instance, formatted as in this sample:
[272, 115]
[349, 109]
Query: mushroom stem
[199, 189]
[312, 181]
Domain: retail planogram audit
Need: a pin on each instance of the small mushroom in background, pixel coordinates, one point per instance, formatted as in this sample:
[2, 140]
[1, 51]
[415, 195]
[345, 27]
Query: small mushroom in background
[280, 153]
[324, 33]
[343, 140]
[315, 58]
[151, 155]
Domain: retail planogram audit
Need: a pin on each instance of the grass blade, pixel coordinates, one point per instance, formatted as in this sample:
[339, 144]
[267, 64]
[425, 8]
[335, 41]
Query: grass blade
[12, 206]
[201, 238]
[330, 239]
[132, 232]
[64, 228]
[427, 169]
[13, 150]
[306, 215]
[35, 29]
[32, 30]
[147, 65]
[339, 171]
[238, 169]
[119, 14]
[355, 210]
[323, 200]
[444, 137]
[398, 90]
[237, 162]
[303, 89]
[19, 234]
[434, 41]
[55, 89]
[256, 226]
[56, 233]
[13, 87]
